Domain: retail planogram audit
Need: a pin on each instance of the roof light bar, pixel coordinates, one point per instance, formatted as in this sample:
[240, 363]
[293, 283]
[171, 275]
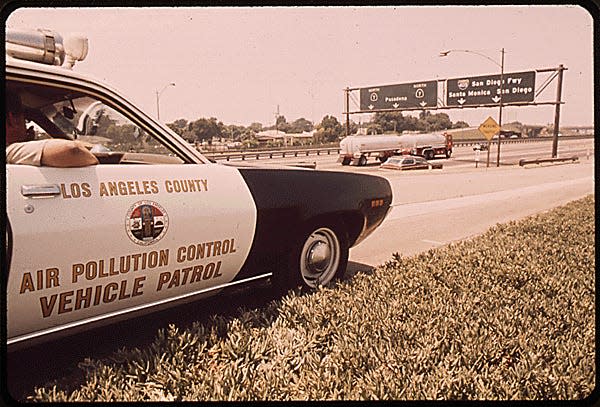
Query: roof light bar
[46, 47]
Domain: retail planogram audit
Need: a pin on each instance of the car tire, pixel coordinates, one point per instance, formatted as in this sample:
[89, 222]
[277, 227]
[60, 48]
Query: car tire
[317, 258]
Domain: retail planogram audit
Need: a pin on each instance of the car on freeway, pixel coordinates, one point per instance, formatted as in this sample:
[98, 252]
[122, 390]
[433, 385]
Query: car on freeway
[155, 223]
[410, 162]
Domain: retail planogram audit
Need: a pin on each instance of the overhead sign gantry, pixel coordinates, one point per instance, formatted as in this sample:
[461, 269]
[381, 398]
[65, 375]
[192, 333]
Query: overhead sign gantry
[506, 89]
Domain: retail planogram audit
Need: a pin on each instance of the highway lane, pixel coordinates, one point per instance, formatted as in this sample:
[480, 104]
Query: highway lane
[432, 210]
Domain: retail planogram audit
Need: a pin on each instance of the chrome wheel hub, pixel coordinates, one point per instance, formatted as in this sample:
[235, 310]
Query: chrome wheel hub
[320, 257]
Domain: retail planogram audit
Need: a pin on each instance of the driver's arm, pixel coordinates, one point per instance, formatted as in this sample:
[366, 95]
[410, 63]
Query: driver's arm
[66, 153]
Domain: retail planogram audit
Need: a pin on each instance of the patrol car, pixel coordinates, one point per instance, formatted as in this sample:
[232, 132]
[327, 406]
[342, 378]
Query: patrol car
[155, 223]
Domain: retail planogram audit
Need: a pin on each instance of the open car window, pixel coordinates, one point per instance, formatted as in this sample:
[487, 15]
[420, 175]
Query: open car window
[55, 112]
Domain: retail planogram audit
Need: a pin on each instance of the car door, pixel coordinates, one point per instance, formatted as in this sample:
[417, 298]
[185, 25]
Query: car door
[95, 242]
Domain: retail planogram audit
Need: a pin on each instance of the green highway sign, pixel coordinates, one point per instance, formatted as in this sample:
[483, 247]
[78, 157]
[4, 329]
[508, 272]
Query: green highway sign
[483, 90]
[416, 95]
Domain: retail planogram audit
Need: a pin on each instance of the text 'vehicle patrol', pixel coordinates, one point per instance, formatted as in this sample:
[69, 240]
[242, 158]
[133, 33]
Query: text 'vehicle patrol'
[86, 297]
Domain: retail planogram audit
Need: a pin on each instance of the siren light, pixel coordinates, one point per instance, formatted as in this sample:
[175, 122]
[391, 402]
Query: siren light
[46, 46]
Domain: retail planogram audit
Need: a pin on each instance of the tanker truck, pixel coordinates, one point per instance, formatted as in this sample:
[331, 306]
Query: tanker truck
[356, 149]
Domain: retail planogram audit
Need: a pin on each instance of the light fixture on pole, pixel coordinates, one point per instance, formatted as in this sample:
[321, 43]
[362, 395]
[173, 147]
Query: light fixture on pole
[501, 65]
[158, 93]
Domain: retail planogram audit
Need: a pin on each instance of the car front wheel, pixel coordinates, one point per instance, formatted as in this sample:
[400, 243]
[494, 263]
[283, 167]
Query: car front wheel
[318, 257]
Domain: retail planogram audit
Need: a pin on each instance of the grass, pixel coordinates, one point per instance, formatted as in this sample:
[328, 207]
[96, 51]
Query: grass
[507, 315]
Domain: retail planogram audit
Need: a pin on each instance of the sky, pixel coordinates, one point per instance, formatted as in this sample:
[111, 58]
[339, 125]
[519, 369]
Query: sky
[242, 64]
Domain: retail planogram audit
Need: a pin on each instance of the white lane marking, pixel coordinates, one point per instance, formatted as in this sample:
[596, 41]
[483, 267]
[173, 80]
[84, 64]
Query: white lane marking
[420, 208]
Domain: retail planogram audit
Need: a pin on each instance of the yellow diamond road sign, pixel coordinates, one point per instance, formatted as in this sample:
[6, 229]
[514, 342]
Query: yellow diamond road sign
[489, 128]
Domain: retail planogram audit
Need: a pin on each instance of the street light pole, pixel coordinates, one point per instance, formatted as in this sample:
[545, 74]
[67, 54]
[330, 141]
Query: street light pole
[158, 93]
[501, 65]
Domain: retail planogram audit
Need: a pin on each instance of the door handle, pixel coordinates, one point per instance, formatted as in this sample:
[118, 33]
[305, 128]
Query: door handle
[31, 191]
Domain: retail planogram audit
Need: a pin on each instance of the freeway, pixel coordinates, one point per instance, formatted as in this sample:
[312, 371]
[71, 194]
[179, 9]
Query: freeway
[432, 208]
[462, 157]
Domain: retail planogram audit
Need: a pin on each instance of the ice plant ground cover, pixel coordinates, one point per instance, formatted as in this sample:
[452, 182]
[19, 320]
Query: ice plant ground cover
[506, 315]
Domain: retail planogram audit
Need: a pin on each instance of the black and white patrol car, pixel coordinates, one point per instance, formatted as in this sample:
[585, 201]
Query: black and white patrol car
[156, 223]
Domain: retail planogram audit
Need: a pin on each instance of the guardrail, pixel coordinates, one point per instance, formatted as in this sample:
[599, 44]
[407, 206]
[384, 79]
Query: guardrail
[524, 161]
[244, 155]
[273, 154]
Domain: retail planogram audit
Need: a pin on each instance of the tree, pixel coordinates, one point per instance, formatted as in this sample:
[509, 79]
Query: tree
[122, 137]
[435, 122]
[256, 127]
[329, 129]
[281, 124]
[353, 128]
[394, 121]
[205, 129]
[248, 138]
[234, 132]
[374, 128]
[460, 125]
[179, 126]
[300, 125]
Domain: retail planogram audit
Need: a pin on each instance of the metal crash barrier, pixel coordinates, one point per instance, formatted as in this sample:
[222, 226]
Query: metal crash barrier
[524, 161]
